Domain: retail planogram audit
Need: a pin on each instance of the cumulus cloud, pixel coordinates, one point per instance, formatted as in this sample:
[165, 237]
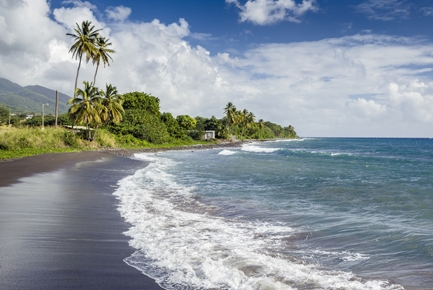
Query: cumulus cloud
[119, 13]
[27, 38]
[311, 84]
[359, 85]
[366, 108]
[413, 99]
[265, 12]
[384, 10]
[68, 16]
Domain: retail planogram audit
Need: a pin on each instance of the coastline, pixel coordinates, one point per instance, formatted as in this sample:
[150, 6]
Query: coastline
[59, 220]
[13, 169]
[131, 152]
[59, 224]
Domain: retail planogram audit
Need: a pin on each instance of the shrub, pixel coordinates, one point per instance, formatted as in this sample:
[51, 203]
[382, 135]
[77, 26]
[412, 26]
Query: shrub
[105, 139]
[71, 139]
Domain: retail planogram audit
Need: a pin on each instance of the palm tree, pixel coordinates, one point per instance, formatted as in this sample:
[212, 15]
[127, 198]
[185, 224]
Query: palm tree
[230, 111]
[86, 106]
[102, 52]
[243, 119]
[250, 118]
[242, 116]
[111, 108]
[113, 102]
[261, 124]
[84, 37]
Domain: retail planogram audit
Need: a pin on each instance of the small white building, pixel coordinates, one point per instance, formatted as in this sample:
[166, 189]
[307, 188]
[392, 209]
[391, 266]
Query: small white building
[208, 135]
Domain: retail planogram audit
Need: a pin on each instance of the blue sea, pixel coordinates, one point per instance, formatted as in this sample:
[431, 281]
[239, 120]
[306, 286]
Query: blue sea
[311, 213]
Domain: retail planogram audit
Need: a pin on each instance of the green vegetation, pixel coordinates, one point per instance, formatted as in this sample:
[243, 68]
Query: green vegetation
[27, 141]
[142, 119]
[4, 115]
[242, 124]
[19, 142]
[111, 120]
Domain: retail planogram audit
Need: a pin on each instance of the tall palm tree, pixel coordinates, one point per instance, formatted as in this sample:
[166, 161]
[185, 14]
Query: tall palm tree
[102, 52]
[86, 106]
[84, 37]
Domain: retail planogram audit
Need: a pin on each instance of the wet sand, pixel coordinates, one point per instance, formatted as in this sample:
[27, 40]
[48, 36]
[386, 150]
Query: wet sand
[59, 226]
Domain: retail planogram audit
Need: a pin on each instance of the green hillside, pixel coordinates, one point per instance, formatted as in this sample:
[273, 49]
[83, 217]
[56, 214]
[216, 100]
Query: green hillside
[9, 86]
[48, 92]
[29, 99]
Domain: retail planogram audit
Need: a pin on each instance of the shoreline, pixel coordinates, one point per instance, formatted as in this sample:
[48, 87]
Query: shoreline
[131, 152]
[11, 170]
[59, 220]
[59, 223]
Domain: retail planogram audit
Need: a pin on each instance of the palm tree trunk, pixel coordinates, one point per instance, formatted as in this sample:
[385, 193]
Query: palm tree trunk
[76, 78]
[96, 131]
[89, 136]
[94, 79]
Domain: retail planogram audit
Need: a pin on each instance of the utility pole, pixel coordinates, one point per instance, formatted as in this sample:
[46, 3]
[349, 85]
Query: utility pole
[9, 117]
[57, 107]
[43, 115]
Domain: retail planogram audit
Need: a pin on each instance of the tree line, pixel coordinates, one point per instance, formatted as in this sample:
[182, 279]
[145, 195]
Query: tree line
[136, 117]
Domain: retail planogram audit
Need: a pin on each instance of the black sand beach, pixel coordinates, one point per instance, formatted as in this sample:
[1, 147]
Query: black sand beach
[59, 227]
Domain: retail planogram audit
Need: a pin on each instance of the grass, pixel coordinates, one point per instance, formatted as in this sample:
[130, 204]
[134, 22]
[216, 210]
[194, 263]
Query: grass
[21, 142]
[7, 154]
[29, 141]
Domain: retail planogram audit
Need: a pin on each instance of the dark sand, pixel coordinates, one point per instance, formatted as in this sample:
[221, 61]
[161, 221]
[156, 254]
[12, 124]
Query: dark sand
[59, 226]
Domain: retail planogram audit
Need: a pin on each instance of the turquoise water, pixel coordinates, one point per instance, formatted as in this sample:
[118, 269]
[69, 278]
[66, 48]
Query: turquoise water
[318, 213]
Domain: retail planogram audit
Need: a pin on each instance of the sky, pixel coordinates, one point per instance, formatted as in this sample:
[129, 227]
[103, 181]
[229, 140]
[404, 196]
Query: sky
[330, 68]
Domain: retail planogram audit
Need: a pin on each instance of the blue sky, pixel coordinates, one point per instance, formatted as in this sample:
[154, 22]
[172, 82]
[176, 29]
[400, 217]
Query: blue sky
[218, 21]
[329, 68]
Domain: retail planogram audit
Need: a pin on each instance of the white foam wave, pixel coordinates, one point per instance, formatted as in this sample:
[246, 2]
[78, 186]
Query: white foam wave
[322, 152]
[345, 256]
[341, 153]
[257, 149]
[183, 246]
[291, 140]
[227, 152]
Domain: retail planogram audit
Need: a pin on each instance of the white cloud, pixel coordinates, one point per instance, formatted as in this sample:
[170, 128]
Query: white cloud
[70, 16]
[414, 99]
[81, 4]
[27, 35]
[310, 84]
[384, 10]
[366, 108]
[265, 12]
[119, 13]
[359, 85]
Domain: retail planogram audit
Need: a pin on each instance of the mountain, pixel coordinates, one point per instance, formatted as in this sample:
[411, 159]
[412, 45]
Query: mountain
[48, 92]
[30, 98]
[9, 86]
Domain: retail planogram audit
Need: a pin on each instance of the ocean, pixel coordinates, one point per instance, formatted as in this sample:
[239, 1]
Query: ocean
[311, 213]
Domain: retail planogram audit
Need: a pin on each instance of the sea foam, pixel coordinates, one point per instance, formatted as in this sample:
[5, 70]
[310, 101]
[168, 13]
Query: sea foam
[182, 245]
[257, 149]
[227, 152]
